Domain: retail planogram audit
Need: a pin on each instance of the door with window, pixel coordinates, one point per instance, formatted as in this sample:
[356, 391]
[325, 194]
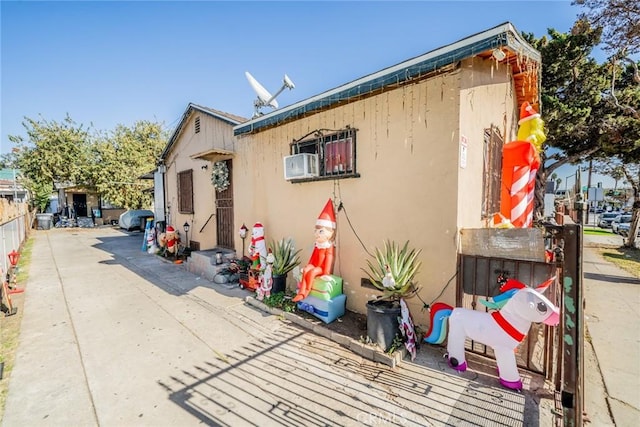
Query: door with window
[224, 213]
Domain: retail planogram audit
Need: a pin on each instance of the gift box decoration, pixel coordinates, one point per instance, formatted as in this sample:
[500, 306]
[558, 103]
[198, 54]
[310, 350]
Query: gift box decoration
[326, 287]
[325, 310]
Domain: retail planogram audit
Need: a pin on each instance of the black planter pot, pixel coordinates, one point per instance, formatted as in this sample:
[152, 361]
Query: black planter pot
[279, 284]
[382, 322]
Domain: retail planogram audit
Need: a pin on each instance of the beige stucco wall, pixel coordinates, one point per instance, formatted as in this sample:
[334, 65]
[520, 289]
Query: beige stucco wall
[411, 185]
[214, 133]
[407, 159]
[486, 99]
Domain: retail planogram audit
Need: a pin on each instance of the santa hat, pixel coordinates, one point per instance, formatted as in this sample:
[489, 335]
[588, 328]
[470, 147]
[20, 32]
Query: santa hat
[327, 217]
[170, 229]
[527, 113]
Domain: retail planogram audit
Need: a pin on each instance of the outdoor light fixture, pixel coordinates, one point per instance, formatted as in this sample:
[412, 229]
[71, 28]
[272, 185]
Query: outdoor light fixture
[204, 167]
[186, 232]
[243, 235]
[498, 54]
[13, 258]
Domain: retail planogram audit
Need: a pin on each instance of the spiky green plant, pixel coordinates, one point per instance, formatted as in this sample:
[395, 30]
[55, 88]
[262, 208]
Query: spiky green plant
[285, 256]
[401, 264]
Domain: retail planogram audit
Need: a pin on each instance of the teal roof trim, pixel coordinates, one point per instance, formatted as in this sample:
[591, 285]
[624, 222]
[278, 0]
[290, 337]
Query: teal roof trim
[504, 36]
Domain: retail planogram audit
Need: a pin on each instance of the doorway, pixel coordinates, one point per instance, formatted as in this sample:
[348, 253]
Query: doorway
[224, 213]
[80, 205]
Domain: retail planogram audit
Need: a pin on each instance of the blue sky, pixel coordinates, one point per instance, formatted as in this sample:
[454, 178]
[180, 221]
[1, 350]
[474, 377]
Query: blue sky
[110, 63]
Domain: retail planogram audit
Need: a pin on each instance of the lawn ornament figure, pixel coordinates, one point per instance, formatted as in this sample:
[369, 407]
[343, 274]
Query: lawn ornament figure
[321, 261]
[152, 248]
[502, 329]
[169, 241]
[520, 164]
[258, 247]
[266, 281]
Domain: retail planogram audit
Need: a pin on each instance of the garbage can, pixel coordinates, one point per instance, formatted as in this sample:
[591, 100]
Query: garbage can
[44, 221]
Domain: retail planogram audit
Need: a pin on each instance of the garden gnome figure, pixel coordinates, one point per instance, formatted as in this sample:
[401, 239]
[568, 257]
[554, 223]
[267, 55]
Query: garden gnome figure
[321, 261]
[266, 282]
[258, 247]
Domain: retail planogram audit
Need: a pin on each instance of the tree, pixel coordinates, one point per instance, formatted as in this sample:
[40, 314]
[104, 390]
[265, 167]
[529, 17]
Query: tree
[618, 116]
[122, 157]
[54, 153]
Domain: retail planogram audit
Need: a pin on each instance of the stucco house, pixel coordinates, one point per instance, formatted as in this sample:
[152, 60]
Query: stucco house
[410, 152]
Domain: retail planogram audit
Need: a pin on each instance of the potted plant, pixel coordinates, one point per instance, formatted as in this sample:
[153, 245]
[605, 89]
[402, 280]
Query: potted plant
[285, 259]
[392, 271]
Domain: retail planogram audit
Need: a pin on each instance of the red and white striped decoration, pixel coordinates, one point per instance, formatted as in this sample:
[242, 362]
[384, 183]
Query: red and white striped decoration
[519, 168]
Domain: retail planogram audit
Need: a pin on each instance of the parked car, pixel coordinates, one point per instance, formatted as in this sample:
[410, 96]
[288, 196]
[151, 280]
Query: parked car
[606, 219]
[132, 219]
[619, 220]
[623, 229]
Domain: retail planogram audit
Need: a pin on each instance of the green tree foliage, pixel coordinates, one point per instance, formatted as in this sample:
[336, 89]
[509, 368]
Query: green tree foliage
[65, 153]
[122, 157]
[54, 153]
[572, 84]
[617, 117]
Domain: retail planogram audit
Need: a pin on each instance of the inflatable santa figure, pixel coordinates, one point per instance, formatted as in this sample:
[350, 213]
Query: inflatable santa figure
[321, 261]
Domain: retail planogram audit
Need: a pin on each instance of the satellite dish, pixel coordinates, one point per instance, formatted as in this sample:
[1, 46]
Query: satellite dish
[265, 99]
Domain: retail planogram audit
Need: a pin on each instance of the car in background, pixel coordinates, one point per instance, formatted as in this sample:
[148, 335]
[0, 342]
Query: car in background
[132, 219]
[619, 220]
[606, 218]
[623, 229]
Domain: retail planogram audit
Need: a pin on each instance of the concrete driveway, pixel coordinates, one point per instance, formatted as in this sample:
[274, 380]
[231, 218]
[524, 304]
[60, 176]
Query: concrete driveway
[112, 336]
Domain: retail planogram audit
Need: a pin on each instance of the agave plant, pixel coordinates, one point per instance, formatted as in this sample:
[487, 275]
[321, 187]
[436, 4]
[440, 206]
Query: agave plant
[285, 256]
[393, 270]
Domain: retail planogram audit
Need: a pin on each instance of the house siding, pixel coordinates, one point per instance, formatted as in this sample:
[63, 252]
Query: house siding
[214, 133]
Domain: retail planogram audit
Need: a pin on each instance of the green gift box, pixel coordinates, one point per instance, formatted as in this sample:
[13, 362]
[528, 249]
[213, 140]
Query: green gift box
[326, 287]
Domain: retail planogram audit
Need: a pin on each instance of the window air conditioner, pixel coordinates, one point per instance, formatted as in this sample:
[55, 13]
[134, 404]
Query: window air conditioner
[304, 165]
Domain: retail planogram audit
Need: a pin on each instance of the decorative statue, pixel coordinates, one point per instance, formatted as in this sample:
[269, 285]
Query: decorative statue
[502, 329]
[266, 281]
[169, 241]
[520, 164]
[258, 247]
[152, 248]
[321, 261]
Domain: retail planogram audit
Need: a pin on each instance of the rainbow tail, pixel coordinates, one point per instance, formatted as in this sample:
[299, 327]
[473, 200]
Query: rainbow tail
[438, 329]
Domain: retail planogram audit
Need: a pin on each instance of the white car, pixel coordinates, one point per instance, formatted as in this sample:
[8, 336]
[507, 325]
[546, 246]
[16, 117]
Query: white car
[623, 229]
[606, 219]
[619, 220]
[132, 219]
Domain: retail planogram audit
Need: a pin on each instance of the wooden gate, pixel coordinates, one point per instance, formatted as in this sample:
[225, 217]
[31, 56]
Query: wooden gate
[224, 213]
[477, 278]
[555, 352]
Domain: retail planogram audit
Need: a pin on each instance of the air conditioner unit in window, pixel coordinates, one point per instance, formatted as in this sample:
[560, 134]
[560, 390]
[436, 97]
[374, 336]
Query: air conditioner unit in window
[304, 165]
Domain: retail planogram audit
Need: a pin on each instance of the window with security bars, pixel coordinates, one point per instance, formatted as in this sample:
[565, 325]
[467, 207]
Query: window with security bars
[492, 173]
[336, 152]
[185, 191]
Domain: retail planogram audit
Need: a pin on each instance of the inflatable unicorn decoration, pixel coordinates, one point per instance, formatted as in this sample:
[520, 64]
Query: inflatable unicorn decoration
[503, 329]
